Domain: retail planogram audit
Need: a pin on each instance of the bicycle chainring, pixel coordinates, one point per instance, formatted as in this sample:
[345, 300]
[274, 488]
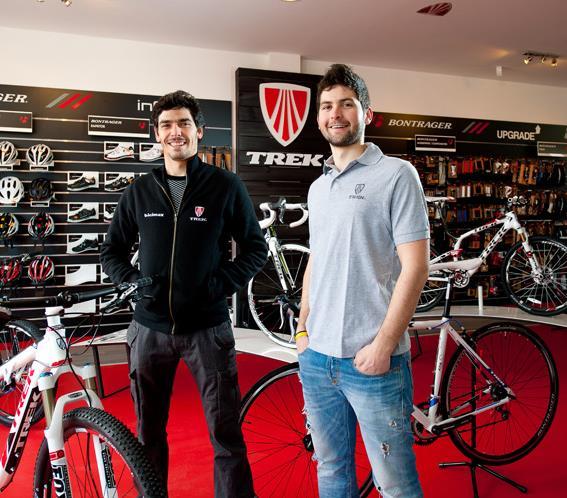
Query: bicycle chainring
[421, 436]
[461, 279]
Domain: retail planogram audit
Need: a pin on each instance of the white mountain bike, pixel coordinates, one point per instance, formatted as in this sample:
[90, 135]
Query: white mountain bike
[86, 451]
[274, 294]
[534, 270]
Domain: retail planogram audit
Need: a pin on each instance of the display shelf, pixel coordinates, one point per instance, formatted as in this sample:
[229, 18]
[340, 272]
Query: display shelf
[498, 312]
[246, 341]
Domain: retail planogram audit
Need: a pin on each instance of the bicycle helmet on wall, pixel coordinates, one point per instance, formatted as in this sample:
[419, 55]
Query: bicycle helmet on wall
[39, 155]
[8, 226]
[10, 272]
[8, 154]
[11, 190]
[41, 226]
[41, 269]
[41, 189]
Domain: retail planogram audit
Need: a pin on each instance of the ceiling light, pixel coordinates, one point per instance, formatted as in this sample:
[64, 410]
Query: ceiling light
[545, 59]
[67, 2]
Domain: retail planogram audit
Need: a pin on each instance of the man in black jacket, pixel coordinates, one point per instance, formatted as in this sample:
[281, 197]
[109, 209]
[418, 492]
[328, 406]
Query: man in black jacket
[184, 215]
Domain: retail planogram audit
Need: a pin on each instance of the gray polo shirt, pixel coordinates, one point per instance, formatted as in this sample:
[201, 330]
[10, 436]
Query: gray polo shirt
[357, 217]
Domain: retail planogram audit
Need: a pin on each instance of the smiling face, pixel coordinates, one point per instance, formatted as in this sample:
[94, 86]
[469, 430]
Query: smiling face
[178, 134]
[341, 118]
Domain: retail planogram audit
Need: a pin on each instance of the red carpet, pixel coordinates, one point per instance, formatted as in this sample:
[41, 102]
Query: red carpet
[543, 471]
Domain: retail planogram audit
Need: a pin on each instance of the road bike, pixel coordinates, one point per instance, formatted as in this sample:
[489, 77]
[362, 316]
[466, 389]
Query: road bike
[495, 398]
[274, 294]
[86, 451]
[533, 271]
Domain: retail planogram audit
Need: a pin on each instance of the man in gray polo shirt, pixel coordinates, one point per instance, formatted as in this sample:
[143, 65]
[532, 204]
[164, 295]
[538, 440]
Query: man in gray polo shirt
[369, 261]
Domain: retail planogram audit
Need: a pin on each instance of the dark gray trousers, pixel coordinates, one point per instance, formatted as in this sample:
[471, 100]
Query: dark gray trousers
[211, 358]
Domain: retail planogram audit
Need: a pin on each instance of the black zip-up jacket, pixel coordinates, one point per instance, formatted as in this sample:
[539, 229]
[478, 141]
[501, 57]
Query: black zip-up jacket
[187, 251]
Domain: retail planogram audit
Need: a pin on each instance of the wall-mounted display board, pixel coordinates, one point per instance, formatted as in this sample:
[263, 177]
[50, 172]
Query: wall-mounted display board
[280, 152]
[100, 142]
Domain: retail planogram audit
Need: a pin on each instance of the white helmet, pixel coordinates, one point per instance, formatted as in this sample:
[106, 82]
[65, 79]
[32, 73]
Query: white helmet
[8, 154]
[39, 155]
[11, 190]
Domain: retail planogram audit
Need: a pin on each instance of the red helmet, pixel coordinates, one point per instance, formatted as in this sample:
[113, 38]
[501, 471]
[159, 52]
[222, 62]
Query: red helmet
[41, 269]
[10, 271]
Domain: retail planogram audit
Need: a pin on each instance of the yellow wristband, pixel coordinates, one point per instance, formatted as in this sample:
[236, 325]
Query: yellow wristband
[301, 333]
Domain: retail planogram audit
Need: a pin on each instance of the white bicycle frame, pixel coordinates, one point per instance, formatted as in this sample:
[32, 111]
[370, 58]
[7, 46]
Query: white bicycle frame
[48, 362]
[432, 421]
[509, 222]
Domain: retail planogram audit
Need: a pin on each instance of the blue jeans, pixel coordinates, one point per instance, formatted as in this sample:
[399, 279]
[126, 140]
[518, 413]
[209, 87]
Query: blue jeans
[336, 396]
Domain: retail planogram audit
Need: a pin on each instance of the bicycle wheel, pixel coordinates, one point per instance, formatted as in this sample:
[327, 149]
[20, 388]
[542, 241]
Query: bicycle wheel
[15, 336]
[506, 433]
[279, 446]
[125, 463]
[433, 291]
[543, 293]
[268, 302]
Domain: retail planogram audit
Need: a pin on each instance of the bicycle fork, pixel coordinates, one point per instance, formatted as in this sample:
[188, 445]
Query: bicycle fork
[54, 433]
[54, 412]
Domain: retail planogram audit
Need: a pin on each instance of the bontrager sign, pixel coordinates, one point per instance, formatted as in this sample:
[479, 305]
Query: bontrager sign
[16, 98]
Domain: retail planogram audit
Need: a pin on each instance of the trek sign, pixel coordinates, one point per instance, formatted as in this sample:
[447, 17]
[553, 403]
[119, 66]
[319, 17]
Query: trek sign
[285, 108]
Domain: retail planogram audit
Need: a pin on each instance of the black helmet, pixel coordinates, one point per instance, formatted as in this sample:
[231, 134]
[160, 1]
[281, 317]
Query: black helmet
[41, 225]
[8, 226]
[41, 189]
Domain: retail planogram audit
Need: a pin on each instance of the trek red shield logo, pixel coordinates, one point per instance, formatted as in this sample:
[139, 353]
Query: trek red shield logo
[199, 210]
[285, 108]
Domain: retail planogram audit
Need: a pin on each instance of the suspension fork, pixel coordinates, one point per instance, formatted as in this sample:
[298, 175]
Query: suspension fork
[528, 249]
[54, 433]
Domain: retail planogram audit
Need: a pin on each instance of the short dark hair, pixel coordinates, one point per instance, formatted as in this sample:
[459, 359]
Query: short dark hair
[177, 100]
[341, 74]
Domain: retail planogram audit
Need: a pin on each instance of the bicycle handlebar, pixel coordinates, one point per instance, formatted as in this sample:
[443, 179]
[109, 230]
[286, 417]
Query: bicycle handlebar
[66, 299]
[271, 209]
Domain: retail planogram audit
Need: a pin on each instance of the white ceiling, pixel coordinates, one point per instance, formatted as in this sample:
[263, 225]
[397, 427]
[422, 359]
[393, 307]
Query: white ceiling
[475, 37]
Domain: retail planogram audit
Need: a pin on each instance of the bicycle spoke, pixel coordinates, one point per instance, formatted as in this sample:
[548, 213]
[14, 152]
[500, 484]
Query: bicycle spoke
[504, 433]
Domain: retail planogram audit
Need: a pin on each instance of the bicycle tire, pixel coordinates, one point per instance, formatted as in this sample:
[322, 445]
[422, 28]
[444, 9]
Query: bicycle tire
[266, 297]
[521, 360]
[545, 295]
[433, 291]
[133, 473]
[279, 446]
[15, 336]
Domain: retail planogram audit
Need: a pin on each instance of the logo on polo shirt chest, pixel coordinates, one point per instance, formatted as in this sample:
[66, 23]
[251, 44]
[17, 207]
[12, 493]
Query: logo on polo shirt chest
[199, 211]
[358, 189]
